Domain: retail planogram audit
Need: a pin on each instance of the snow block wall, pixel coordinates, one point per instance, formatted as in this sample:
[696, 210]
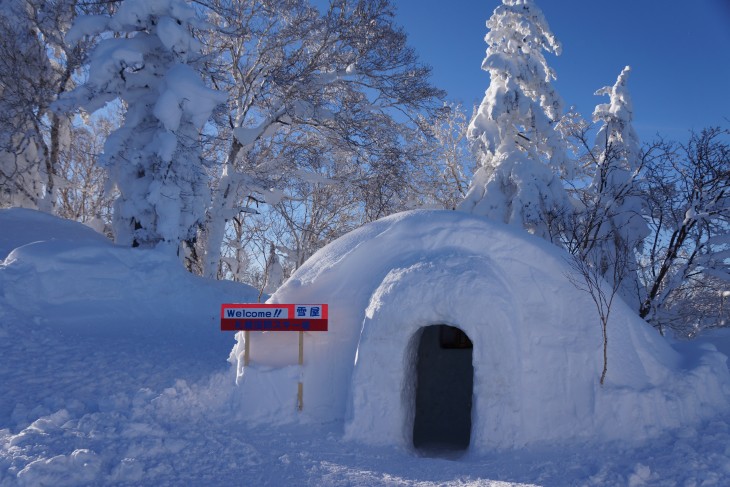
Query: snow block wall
[537, 344]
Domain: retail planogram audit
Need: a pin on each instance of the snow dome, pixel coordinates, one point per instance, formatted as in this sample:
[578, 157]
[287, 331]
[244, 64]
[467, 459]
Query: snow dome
[447, 329]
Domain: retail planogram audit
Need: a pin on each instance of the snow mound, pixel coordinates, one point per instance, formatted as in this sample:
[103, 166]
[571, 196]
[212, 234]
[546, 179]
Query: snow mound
[65, 275]
[537, 344]
[21, 226]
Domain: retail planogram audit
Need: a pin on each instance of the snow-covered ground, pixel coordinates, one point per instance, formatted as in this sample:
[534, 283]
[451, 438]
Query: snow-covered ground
[113, 371]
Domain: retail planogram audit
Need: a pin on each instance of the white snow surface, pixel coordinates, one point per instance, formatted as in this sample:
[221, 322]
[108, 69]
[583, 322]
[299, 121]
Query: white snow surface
[113, 371]
[537, 340]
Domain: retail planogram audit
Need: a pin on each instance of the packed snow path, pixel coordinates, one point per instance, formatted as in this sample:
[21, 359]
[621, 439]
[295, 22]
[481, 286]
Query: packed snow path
[95, 411]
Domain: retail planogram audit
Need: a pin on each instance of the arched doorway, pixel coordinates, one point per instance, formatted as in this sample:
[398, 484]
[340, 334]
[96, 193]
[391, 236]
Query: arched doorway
[444, 388]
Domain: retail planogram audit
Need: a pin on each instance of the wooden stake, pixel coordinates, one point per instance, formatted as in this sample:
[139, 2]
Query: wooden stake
[300, 385]
[246, 348]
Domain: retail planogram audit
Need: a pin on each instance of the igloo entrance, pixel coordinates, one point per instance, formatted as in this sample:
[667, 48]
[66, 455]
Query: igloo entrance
[444, 388]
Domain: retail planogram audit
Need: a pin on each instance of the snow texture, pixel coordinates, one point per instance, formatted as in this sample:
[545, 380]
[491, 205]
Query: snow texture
[537, 341]
[113, 373]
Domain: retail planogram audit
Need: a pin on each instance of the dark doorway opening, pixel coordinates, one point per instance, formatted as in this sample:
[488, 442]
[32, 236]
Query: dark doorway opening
[444, 388]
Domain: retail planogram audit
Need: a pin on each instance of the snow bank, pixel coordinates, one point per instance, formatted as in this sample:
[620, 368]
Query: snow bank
[537, 353]
[20, 226]
[64, 275]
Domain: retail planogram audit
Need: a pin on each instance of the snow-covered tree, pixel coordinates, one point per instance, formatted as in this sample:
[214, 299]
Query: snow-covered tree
[442, 175]
[274, 272]
[35, 67]
[610, 225]
[684, 266]
[321, 202]
[83, 193]
[339, 80]
[513, 134]
[154, 159]
[22, 173]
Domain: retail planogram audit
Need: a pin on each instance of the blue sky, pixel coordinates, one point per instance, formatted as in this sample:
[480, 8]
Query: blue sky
[679, 52]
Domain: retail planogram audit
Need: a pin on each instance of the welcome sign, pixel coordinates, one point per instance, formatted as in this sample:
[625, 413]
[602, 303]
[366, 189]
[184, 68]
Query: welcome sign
[274, 317]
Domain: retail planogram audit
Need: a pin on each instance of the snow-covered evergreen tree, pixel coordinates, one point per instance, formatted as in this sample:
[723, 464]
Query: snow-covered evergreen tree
[154, 158]
[614, 222]
[513, 135]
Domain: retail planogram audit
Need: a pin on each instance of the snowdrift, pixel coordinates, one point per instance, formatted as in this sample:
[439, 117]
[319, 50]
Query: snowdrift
[537, 345]
[74, 280]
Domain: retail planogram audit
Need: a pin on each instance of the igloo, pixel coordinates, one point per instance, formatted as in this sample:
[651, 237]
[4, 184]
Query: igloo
[447, 328]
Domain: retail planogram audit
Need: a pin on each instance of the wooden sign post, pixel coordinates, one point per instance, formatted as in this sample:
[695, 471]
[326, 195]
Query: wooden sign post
[300, 384]
[275, 317]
